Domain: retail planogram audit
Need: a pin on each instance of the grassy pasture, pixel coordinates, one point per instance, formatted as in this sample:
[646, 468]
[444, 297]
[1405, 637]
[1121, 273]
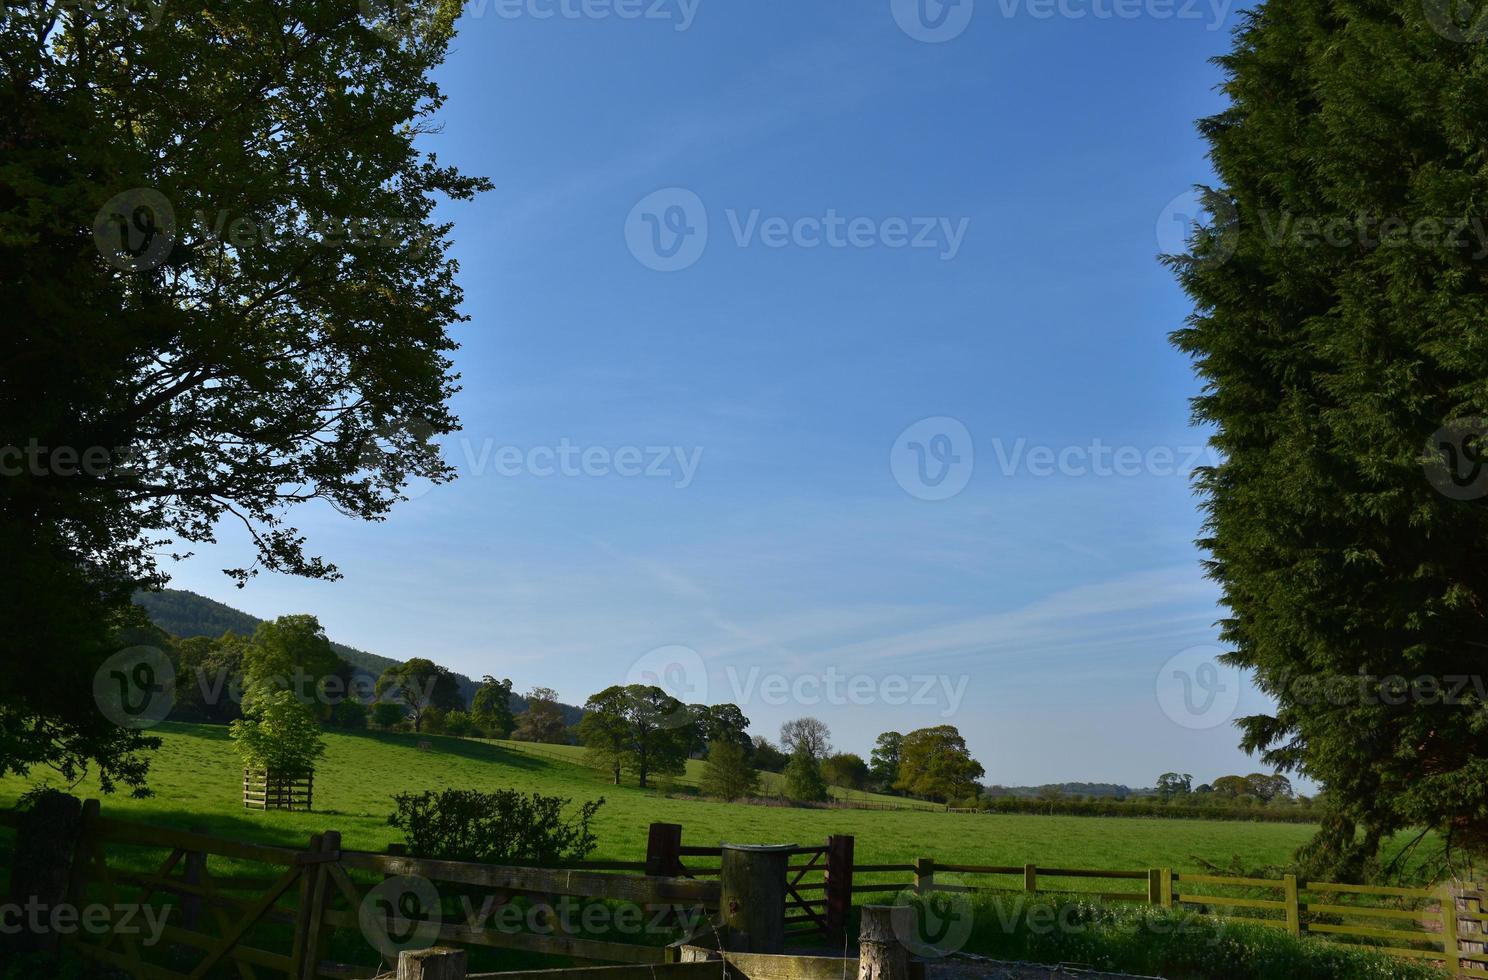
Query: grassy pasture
[197, 782]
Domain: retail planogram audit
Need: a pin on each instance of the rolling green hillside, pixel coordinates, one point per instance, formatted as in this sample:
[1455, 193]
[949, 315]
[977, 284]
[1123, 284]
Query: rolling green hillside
[197, 780]
[185, 614]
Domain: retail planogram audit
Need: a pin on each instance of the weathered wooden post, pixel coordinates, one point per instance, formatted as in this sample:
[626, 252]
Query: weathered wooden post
[664, 850]
[48, 839]
[839, 883]
[438, 963]
[881, 954]
[753, 878]
[924, 872]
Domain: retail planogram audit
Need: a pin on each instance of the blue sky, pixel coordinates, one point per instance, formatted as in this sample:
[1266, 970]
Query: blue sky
[898, 229]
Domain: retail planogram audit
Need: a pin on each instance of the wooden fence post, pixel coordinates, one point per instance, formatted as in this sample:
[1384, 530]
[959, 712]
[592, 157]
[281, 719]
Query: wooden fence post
[1030, 879]
[753, 897]
[196, 866]
[48, 839]
[320, 899]
[881, 954]
[1154, 886]
[1165, 887]
[302, 911]
[437, 963]
[664, 850]
[839, 883]
[1469, 902]
[924, 872]
[1451, 945]
[1293, 906]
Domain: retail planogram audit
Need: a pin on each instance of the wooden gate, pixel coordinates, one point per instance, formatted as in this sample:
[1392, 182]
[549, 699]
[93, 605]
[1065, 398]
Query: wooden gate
[223, 908]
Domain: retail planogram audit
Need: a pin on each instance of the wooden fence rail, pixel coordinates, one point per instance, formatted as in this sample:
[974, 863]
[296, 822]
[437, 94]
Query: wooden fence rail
[1442, 924]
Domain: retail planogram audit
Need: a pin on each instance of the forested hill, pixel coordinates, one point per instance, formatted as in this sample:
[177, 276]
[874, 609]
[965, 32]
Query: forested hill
[185, 614]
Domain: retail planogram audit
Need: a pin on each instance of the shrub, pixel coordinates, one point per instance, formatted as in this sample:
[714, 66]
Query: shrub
[387, 715]
[1177, 944]
[277, 733]
[504, 827]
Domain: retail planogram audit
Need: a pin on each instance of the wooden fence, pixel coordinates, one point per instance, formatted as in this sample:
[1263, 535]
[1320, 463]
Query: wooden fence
[280, 911]
[1444, 924]
[818, 884]
[263, 790]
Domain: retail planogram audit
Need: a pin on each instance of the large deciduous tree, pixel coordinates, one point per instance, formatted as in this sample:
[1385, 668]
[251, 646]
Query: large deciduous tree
[166, 374]
[810, 734]
[934, 763]
[1341, 334]
[420, 685]
[638, 728]
[490, 708]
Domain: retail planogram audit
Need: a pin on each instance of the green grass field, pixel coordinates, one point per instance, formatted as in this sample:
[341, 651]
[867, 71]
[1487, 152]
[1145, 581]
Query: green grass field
[197, 782]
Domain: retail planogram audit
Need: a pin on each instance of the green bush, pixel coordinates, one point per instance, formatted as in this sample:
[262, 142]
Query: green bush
[504, 827]
[1177, 944]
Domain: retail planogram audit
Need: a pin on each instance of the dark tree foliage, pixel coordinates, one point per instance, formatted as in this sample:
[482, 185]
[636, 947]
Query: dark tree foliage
[165, 374]
[504, 827]
[1341, 333]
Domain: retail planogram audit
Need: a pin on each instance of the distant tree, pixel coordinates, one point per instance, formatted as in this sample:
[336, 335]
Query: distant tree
[935, 764]
[635, 725]
[845, 770]
[803, 777]
[883, 763]
[1232, 787]
[388, 715]
[720, 723]
[420, 684]
[727, 774]
[209, 678]
[278, 732]
[349, 714]
[433, 720]
[810, 734]
[543, 719]
[1173, 784]
[1269, 787]
[604, 732]
[490, 708]
[768, 758]
[459, 723]
[294, 653]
